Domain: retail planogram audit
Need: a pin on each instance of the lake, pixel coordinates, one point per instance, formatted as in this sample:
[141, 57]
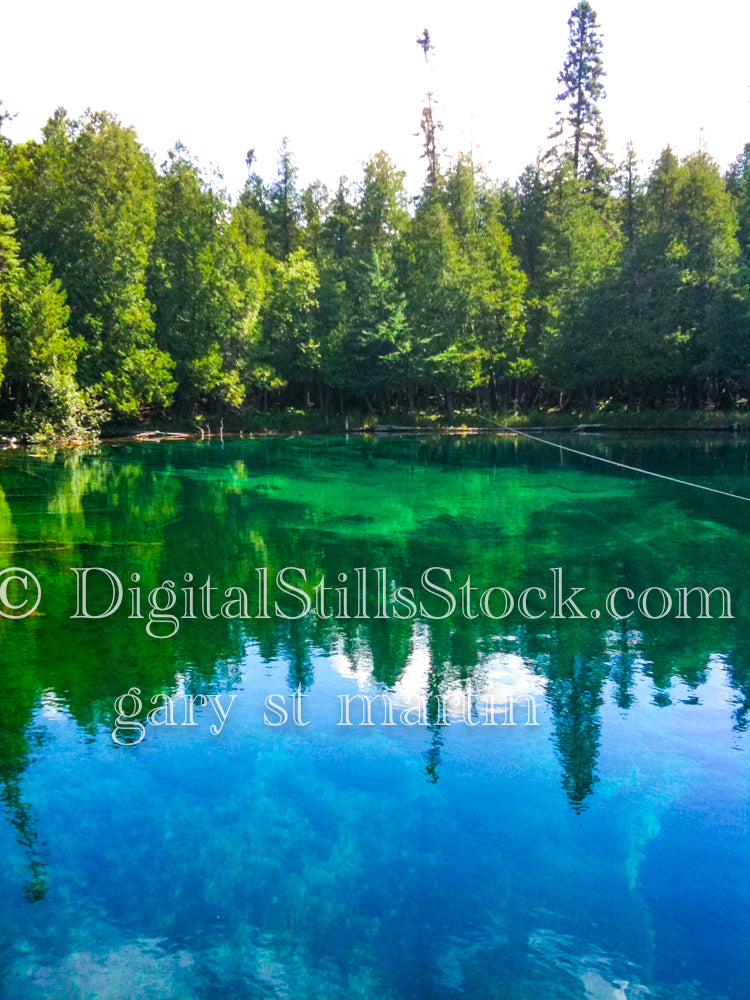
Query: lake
[550, 800]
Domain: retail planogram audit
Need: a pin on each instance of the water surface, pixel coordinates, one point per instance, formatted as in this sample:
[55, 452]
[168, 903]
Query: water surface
[601, 853]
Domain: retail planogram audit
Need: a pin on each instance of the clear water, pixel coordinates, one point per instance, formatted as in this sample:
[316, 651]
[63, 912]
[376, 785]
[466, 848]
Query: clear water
[602, 853]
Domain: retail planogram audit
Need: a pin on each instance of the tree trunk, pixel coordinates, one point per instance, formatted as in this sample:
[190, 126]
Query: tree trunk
[448, 407]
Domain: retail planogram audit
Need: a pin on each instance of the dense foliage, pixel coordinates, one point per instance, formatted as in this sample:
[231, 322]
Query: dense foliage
[128, 291]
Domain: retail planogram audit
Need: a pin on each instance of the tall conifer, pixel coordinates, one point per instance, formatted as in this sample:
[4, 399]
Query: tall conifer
[579, 129]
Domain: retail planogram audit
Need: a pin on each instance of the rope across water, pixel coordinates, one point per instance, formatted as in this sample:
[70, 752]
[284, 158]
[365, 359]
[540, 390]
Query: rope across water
[619, 465]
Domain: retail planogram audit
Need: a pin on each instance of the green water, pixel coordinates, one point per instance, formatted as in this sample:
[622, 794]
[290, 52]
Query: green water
[601, 853]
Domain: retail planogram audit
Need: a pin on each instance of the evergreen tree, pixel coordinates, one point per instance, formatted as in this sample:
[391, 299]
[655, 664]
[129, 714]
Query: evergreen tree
[206, 280]
[42, 359]
[579, 127]
[688, 288]
[464, 289]
[85, 200]
[738, 185]
[495, 283]
[289, 351]
[5, 116]
[527, 220]
[279, 205]
[582, 252]
[362, 355]
[10, 267]
[314, 202]
[333, 258]
[429, 126]
[41, 355]
[629, 189]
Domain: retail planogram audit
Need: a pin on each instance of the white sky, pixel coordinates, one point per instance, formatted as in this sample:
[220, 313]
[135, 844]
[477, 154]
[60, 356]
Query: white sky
[344, 79]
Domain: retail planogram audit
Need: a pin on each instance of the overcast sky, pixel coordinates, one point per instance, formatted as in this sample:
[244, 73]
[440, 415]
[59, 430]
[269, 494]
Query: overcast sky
[344, 79]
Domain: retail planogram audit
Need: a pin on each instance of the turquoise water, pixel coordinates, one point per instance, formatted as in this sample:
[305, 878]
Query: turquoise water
[601, 853]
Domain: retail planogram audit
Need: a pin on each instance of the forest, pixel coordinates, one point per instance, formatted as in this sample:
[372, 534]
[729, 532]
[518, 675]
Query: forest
[131, 292]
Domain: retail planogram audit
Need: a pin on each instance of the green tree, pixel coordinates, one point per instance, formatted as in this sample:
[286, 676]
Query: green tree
[629, 190]
[665, 322]
[579, 133]
[84, 199]
[288, 351]
[495, 282]
[444, 353]
[279, 205]
[464, 289]
[206, 278]
[314, 205]
[42, 357]
[5, 116]
[688, 291]
[525, 210]
[429, 125]
[9, 266]
[582, 252]
[41, 393]
[333, 249]
[738, 185]
[361, 296]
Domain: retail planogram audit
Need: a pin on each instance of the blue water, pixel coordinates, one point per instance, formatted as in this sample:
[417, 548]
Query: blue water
[601, 853]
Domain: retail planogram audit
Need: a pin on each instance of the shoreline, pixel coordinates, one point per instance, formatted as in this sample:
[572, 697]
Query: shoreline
[315, 427]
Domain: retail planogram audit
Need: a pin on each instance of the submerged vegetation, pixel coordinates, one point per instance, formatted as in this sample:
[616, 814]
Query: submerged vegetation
[338, 846]
[130, 292]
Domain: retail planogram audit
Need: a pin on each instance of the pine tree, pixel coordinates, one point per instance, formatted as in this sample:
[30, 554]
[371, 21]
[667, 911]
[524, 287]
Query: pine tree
[279, 204]
[428, 125]
[738, 185]
[579, 126]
